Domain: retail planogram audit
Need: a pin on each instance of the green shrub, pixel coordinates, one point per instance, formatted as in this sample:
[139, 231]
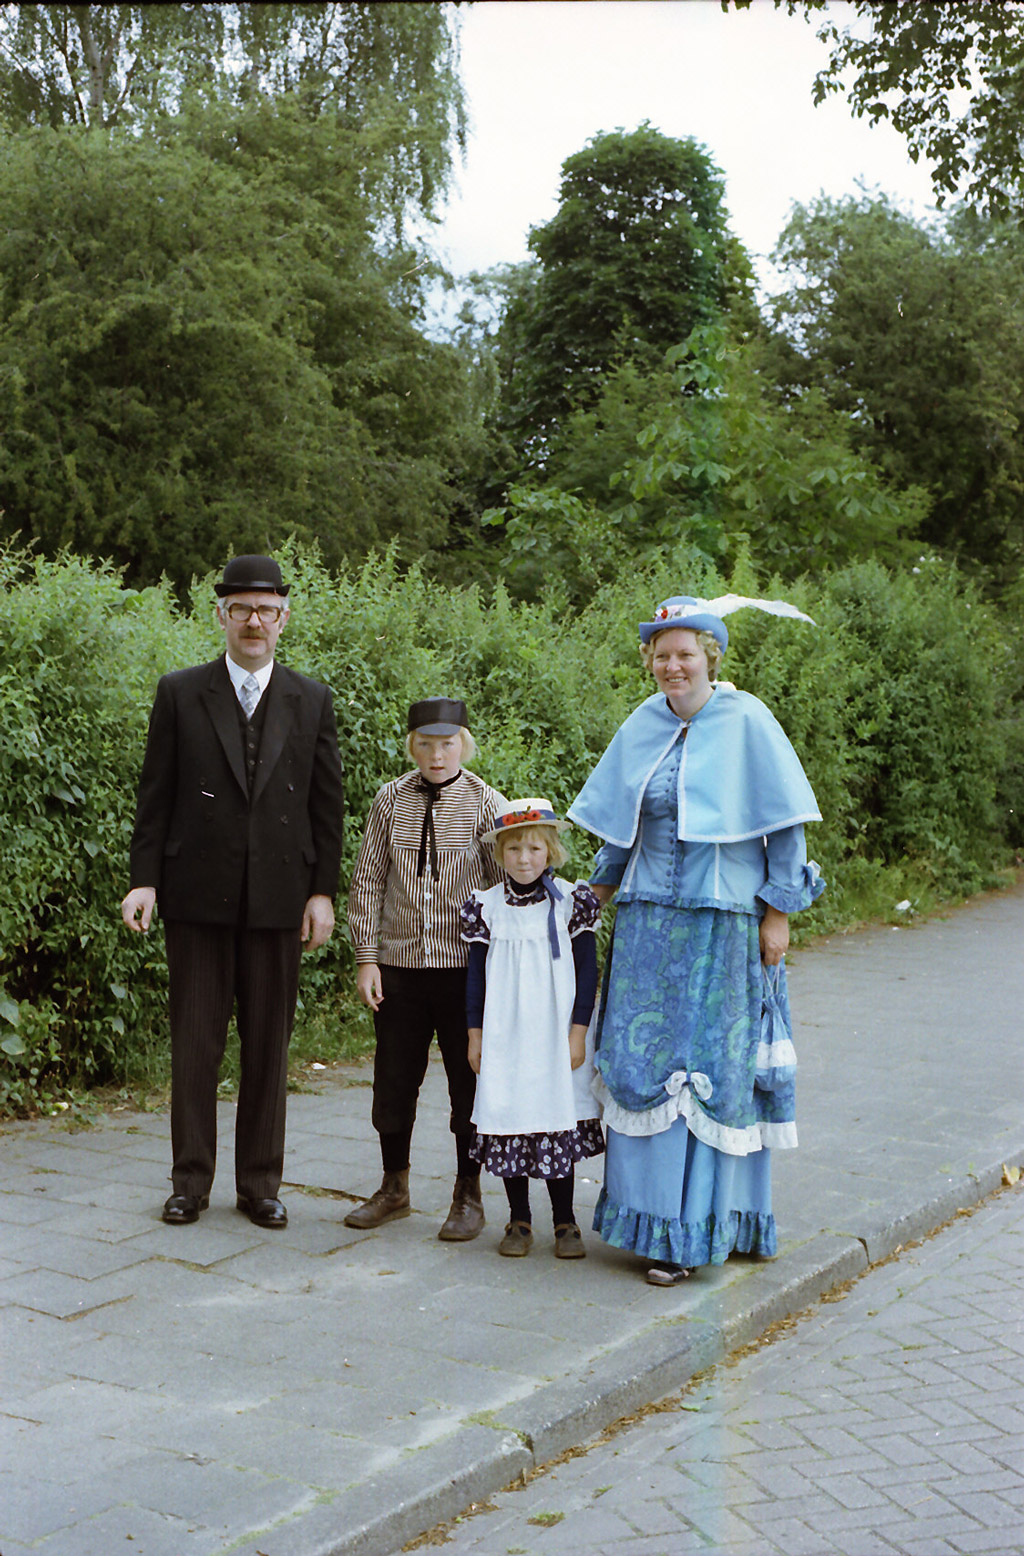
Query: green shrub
[897, 702]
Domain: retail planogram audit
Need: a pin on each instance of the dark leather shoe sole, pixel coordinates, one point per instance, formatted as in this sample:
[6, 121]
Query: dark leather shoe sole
[364, 1220]
[268, 1213]
[181, 1209]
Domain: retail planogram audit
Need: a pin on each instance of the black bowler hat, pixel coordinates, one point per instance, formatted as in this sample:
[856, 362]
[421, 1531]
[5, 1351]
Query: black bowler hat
[438, 716]
[249, 574]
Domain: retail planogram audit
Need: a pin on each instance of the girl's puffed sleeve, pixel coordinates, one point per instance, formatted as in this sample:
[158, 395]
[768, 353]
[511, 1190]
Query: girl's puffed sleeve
[472, 926]
[586, 910]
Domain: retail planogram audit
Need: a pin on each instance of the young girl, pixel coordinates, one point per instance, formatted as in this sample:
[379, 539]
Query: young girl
[530, 991]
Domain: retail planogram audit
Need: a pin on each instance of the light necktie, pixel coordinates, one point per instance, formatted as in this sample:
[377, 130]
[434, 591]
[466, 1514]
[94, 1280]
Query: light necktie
[250, 695]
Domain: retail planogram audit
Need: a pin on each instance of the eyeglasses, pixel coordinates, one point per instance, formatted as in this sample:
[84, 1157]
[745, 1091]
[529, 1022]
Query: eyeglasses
[266, 613]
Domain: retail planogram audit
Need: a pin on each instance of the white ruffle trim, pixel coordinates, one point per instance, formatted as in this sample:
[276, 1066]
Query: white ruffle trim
[656, 1120]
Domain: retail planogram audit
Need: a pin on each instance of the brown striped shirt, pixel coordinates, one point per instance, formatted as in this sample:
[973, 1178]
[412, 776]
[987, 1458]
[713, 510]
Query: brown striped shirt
[402, 919]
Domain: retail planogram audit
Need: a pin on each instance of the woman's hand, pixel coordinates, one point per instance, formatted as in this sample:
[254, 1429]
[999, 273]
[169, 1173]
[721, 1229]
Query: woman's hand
[774, 937]
[577, 1044]
[603, 893]
[368, 985]
[476, 1043]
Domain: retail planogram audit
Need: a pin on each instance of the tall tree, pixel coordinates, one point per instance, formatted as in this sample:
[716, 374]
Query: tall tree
[201, 353]
[101, 65]
[702, 455]
[387, 69]
[917, 333]
[909, 62]
[637, 255]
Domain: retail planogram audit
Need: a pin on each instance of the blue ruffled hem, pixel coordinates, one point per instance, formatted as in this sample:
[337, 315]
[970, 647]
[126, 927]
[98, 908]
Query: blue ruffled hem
[689, 1244]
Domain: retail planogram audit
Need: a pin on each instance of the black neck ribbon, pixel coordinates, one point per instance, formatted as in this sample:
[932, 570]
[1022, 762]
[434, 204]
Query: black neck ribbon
[427, 838]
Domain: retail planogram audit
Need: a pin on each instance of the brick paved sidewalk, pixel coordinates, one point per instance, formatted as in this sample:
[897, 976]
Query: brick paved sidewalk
[215, 1388]
[889, 1422]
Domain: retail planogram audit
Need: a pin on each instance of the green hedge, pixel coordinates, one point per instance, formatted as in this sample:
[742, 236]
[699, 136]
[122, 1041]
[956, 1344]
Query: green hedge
[896, 702]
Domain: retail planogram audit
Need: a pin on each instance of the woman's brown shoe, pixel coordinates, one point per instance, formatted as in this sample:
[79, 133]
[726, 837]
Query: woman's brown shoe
[518, 1240]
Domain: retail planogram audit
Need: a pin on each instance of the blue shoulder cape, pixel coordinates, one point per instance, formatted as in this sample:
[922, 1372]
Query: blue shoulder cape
[739, 777]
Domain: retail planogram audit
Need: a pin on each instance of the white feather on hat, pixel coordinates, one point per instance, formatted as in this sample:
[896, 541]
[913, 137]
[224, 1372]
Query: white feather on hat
[725, 604]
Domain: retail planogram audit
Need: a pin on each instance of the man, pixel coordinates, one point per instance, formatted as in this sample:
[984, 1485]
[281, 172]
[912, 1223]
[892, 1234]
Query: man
[238, 837]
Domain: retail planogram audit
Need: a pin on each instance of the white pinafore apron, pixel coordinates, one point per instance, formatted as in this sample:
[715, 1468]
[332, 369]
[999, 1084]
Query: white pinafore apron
[525, 1085]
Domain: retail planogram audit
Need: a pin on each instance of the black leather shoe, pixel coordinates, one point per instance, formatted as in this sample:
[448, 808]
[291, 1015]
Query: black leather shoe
[182, 1208]
[263, 1212]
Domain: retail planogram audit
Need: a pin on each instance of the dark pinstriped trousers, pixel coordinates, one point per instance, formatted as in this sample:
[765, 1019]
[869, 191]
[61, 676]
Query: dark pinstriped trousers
[212, 968]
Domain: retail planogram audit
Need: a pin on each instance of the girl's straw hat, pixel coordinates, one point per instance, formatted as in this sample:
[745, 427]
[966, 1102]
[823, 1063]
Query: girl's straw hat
[526, 813]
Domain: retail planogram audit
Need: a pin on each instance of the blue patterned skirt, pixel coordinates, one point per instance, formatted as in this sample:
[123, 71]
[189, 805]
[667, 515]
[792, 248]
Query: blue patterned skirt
[683, 992]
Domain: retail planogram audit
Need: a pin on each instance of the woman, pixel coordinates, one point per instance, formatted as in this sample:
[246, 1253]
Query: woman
[700, 801]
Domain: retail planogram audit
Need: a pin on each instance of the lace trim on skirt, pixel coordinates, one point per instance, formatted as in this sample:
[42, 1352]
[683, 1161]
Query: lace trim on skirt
[780, 1136]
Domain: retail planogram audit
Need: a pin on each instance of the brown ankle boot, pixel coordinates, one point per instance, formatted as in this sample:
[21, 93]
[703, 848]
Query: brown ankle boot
[466, 1217]
[390, 1203]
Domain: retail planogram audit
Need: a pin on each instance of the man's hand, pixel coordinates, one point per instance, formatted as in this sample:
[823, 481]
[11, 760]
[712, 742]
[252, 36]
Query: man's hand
[368, 985]
[774, 937]
[137, 908]
[317, 923]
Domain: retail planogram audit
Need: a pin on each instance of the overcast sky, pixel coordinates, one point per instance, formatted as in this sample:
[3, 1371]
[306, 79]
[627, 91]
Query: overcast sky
[543, 76]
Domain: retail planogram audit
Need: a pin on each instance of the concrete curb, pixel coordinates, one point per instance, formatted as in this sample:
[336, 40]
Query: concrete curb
[438, 1483]
[429, 1487]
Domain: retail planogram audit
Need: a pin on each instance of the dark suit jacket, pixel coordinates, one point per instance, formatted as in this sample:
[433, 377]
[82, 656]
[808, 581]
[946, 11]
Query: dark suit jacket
[200, 839]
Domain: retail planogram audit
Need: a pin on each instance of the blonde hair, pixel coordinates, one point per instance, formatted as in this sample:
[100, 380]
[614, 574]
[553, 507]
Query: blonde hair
[468, 744]
[713, 650]
[531, 831]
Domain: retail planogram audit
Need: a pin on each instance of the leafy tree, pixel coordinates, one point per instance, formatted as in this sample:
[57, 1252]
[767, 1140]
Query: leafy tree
[703, 455]
[636, 256]
[921, 55]
[101, 65]
[727, 465]
[201, 354]
[386, 69]
[916, 332]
